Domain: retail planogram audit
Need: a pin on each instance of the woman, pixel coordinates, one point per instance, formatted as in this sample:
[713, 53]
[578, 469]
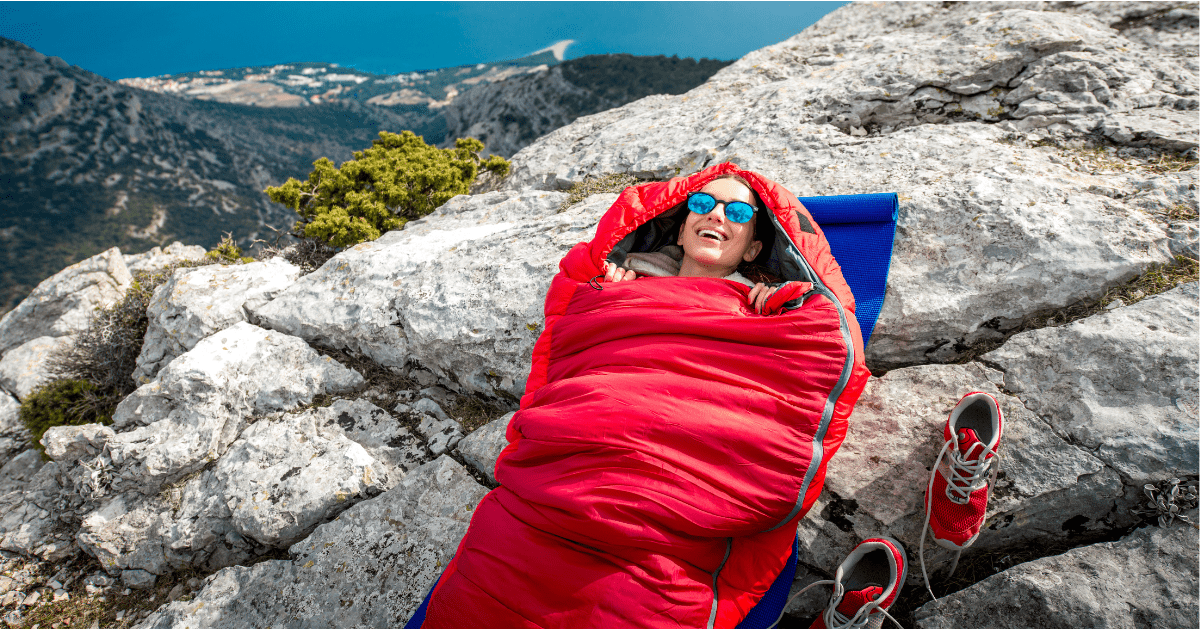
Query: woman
[674, 429]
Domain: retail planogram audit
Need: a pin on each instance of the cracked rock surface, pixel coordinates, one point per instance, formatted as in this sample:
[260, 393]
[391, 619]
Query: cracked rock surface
[197, 302]
[1089, 379]
[1145, 580]
[369, 568]
[460, 291]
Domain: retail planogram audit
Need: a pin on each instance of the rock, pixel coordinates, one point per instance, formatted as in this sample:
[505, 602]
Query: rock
[196, 303]
[1047, 240]
[452, 291]
[441, 435]
[482, 447]
[30, 525]
[13, 619]
[138, 579]
[370, 567]
[1145, 580]
[63, 303]
[1047, 490]
[14, 437]
[282, 477]
[379, 433]
[202, 400]
[1121, 384]
[32, 599]
[98, 579]
[24, 368]
[429, 407]
[68, 444]
[176, 593]
[158, 258]
[19, 471]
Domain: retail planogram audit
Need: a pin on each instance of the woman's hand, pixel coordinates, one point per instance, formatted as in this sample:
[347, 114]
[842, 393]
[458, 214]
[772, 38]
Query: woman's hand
[759, 296]
[613, 273]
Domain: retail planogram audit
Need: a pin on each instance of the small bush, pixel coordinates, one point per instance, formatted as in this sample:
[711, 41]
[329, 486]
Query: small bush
[398, 179]
[65, 402]
[227, 253]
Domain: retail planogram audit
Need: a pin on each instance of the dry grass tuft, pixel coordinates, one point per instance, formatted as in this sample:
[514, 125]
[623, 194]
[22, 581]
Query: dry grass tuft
[611, 183]
[1155, 280]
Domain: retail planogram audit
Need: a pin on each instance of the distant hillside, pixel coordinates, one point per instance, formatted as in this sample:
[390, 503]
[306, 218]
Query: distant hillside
[509, 115]
[86, 164]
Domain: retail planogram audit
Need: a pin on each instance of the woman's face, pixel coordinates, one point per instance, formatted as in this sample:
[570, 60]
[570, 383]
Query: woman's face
[713, 246]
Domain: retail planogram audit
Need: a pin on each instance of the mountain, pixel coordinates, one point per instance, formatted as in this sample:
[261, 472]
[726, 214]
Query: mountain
[88, 163]
[508, 116]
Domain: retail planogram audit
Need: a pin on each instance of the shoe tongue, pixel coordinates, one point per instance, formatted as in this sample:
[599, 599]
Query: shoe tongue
[967, 439]
[854, 600]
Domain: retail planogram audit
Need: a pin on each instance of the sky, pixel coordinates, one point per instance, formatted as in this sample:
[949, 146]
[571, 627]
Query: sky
[140, 39]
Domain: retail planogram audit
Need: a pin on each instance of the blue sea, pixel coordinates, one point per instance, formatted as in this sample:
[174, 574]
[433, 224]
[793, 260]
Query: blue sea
[141, 39]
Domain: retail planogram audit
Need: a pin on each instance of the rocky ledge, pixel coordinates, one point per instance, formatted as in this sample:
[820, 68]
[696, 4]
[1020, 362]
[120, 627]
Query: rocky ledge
[1045, 155]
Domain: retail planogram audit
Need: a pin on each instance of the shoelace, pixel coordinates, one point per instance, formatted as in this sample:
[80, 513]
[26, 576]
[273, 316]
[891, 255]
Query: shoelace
[835, 619]
[979, 472]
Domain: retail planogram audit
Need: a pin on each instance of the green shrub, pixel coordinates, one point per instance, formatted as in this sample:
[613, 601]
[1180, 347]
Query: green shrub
[65, 402]
[398, 179]
[226, 253]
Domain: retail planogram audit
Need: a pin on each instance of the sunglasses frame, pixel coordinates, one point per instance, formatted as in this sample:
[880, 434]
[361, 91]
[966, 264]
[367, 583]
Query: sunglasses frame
[721, 201]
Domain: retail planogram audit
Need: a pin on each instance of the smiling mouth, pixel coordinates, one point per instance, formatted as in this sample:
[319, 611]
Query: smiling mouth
[711, 234]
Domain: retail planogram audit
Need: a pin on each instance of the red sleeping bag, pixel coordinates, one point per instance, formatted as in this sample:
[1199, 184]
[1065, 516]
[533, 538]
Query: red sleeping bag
[669, 439]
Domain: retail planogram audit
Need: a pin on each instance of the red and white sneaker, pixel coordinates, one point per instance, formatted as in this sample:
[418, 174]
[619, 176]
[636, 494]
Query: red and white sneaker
[865, 585]
[957, 497]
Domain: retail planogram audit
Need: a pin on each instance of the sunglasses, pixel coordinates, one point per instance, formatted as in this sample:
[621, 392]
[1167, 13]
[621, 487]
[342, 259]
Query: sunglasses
[736, 211]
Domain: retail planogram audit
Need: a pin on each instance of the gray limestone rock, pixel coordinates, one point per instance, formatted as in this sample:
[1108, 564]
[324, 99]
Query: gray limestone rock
[159, 258]
[1146, 580]
[31, 526]
[283, 476]
[995, 225]
[482, 447]
[18, 472]
[199, 403]
[369, 568]
[459, 291]
[197, 302]
[1047, 490]
[14, 437]
[440, 435]
[1121, 384]
[24, 368]
[63, 303]
[137, 578]
[68, 444]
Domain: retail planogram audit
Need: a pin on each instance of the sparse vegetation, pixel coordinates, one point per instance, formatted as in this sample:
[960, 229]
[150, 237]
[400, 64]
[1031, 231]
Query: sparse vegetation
[95, 373]
[610, 183]
[398, 179]
[1155, 280]
[65, 402]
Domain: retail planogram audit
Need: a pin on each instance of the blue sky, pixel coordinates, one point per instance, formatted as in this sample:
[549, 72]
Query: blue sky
[139, 39]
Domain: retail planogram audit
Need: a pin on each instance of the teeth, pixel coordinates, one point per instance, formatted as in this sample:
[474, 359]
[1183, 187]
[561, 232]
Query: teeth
[713, 234]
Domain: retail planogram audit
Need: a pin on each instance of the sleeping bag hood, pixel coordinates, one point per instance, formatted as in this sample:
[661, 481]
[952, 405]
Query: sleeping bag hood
[670, 437]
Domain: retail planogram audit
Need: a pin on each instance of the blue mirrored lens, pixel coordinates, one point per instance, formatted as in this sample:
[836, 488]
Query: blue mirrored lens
[701, 203]
[738, 211]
